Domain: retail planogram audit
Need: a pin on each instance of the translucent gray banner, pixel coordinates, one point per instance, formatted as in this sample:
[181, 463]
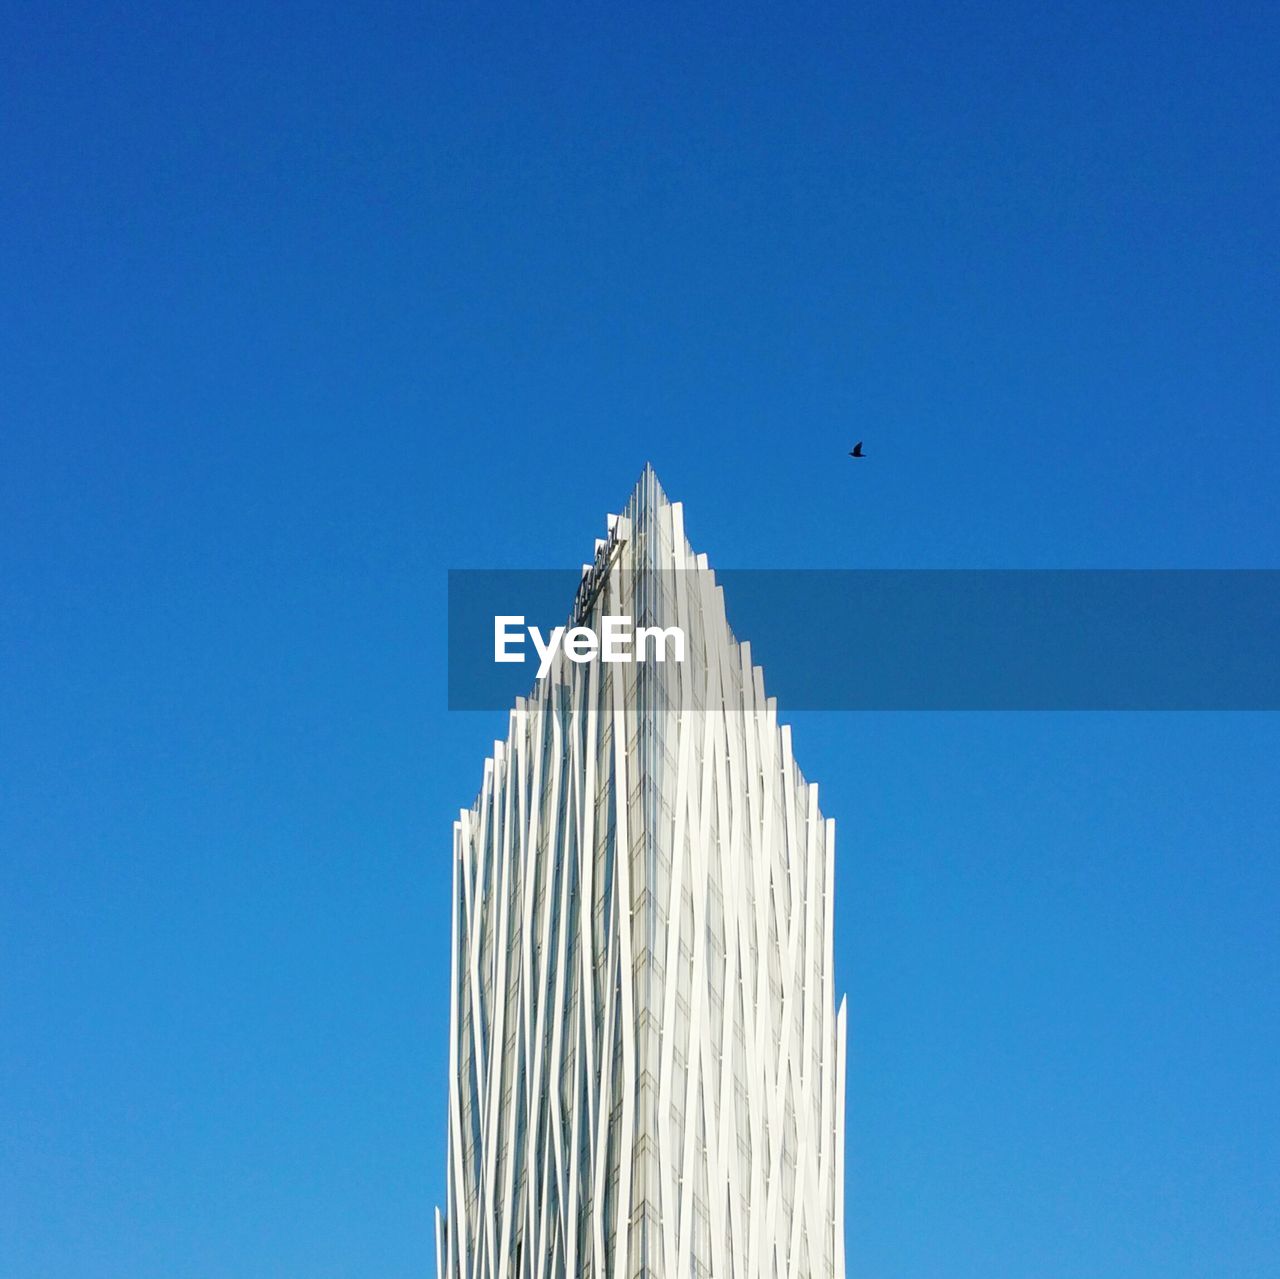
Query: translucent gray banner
[1136, 640]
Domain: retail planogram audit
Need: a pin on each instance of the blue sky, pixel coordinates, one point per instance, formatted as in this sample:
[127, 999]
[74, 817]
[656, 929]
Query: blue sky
[302, 308]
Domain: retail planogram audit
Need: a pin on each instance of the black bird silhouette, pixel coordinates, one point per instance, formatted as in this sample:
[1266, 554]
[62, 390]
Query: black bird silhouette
[856, 451]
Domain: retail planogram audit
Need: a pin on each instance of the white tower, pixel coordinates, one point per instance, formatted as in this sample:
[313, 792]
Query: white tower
[646, 1061]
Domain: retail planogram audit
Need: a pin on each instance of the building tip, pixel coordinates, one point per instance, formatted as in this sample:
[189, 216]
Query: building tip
[648, 476]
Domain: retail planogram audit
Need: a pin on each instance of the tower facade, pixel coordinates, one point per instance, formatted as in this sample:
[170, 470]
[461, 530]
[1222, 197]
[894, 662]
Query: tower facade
[646, 1060]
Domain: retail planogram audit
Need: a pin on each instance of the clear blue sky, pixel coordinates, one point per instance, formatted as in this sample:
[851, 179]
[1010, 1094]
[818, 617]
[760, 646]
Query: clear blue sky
[302, 307]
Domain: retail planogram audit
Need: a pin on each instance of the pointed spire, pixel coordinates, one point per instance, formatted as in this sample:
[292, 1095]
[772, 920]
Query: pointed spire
[652, 476]
[648, 496]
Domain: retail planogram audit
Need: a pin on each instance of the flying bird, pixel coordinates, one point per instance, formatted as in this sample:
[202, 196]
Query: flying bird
[856, 451]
